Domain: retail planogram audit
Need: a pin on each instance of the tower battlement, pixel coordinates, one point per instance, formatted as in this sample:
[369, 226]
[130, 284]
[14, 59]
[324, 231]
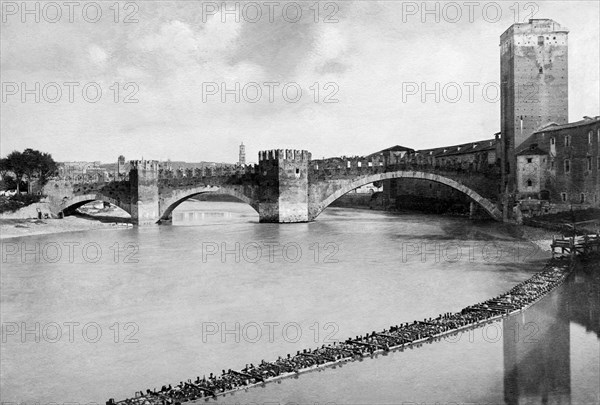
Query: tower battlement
[145, 164]
[284, 154]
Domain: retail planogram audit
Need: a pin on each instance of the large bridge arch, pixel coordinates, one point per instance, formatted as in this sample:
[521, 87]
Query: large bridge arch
[344, 187]
[167, 205]
[70, 204]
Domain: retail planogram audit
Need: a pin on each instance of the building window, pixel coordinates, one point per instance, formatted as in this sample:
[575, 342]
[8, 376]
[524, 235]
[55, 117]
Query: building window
[589, 163]
[567, 140]
[552, 141]
[582, 198]
[541, 40]
[529, 160]
[563, 197]
[567, 166]
[552, 164]
[590, 134]
[529, 183]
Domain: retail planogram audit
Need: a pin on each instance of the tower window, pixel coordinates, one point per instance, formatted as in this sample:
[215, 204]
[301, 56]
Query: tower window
[529, 160]
[582, 198]
[529, 183]
[590, 134]
[541, 70]
[567, 166]
[567, 140]
[563, 197]
[552, 141]
[541, 40]
[589, 163]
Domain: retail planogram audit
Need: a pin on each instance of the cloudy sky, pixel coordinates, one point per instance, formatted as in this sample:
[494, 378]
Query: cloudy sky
[173, 57]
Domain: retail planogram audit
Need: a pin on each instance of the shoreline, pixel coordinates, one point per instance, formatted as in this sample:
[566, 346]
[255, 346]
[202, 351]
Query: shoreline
[11, 228]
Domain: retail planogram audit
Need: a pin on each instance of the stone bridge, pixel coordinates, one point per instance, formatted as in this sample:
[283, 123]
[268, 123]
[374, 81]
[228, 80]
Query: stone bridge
[285, 186]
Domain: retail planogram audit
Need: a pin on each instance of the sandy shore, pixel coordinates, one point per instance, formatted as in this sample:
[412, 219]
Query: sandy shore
[539, 236]
[13, 228]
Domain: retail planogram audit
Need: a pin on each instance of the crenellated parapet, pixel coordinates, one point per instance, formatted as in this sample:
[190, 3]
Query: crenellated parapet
[153, 165]
[284, 154]
[199, 174]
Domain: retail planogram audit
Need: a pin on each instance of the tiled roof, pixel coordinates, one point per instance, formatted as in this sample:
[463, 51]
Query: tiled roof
[556, 127]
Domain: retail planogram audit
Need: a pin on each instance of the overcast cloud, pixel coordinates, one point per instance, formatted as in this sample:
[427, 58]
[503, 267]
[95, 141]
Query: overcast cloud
[171, 54]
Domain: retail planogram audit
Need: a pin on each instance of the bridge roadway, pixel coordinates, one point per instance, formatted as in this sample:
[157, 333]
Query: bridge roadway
[285, 186]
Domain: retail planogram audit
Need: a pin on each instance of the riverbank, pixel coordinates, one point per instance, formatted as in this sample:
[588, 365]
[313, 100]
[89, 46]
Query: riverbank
[17, 227]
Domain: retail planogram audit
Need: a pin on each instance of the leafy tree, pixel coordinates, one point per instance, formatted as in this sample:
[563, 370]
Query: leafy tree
[40, 165]
[29, 164]
[15, 162]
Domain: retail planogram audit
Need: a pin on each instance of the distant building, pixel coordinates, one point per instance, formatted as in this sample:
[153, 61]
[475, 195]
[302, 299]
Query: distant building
[394, 154]
[478, 161]
[122, 166]
[558, 166]
[75, 170]
[242, 158]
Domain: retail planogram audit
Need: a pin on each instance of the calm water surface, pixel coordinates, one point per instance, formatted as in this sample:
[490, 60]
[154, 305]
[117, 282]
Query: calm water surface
[217, 290]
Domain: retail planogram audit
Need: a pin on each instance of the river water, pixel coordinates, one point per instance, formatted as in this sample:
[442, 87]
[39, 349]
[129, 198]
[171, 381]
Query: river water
[88, 316]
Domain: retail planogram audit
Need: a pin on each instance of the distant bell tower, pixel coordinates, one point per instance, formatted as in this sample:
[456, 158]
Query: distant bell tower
[242, 159]
[534, 80]
[121, 165]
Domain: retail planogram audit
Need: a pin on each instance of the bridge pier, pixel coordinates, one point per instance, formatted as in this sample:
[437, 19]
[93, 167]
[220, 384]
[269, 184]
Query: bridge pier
[143, 180]
[283, 197]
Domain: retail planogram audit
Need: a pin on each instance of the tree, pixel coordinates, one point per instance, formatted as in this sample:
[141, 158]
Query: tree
[29, 164]
[15, 162]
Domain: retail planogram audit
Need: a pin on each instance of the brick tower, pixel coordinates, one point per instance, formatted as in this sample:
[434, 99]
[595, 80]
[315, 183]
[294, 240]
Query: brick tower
[534, 79]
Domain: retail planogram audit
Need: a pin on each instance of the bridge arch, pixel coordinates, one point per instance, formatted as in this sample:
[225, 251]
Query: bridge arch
[180, 196]
[77, 201]
[486, 204]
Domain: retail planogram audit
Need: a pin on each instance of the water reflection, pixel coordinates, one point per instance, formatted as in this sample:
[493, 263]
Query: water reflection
[538, 347]
[192, 213]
